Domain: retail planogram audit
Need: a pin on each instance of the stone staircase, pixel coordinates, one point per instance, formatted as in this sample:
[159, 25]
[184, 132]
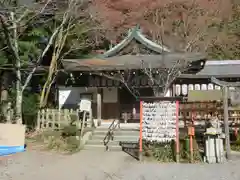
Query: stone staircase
[126, 133]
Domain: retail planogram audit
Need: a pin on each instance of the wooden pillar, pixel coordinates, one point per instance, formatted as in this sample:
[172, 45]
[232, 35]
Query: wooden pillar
[174, 90]
[226, 122]
[99, 106]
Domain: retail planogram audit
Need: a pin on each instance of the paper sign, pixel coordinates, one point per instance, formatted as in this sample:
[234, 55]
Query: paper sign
[85, 105]
[159, 121]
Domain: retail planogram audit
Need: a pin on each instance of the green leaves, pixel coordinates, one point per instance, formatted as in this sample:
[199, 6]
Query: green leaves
[30, 102]
[3, 59]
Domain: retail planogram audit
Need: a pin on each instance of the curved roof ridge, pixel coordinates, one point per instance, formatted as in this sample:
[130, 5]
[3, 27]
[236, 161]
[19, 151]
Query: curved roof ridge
[135, 33]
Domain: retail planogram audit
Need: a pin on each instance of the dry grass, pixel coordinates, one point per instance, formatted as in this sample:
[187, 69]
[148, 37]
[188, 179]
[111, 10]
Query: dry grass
[64, 141]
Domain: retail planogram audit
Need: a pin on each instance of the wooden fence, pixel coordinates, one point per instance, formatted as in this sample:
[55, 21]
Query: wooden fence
[203, 111]
[56, 119]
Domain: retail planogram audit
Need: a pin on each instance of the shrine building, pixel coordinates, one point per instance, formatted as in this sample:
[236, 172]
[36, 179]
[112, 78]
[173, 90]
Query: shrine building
[99, 79]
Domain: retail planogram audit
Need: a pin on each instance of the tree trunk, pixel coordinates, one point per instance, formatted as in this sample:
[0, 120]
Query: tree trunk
[4, 94]
[47, 86]
[4, 85]
[19, 90]
[19, 101]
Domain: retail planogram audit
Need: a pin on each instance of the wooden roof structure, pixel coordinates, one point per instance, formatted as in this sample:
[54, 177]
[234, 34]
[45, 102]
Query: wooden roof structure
[136, 34]
[132, 62]
[217, 69]
[110, 60]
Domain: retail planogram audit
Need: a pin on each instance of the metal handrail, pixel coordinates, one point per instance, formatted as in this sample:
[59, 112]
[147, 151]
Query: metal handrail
[110, 134]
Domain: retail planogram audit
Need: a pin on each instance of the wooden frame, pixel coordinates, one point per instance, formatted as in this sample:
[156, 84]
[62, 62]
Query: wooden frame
[171, 99]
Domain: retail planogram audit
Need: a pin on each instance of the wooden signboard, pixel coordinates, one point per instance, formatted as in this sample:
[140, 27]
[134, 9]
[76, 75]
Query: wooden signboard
[159, 122]
[85, 105]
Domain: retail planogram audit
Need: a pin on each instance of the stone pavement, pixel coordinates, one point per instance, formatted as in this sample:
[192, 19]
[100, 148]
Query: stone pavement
[42, 165]
[100, 165]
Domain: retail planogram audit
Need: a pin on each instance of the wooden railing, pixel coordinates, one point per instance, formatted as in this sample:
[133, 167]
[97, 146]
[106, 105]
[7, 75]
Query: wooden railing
[110, 133]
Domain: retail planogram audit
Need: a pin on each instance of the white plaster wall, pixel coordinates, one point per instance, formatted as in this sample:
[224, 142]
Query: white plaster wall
[168, 94]
[110, 95]
[72, 95]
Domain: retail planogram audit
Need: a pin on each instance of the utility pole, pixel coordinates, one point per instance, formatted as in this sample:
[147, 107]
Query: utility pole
[226, 122]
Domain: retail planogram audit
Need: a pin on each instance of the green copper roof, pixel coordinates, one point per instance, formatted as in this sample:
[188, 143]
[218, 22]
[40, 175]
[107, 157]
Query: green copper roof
[135, 33]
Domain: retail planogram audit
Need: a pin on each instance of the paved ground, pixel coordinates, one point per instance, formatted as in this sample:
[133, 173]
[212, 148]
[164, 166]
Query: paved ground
[92, 165]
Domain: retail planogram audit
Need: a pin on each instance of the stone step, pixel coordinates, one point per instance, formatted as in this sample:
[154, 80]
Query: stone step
[100, 142]
[127, 143]
[103, 128]
[117, 138]
[102, 147]
[117, 133]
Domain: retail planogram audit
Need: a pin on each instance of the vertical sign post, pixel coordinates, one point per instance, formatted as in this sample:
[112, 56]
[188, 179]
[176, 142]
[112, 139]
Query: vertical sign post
[190, 133]
[177, 133]
[226, 123]
[140, 131]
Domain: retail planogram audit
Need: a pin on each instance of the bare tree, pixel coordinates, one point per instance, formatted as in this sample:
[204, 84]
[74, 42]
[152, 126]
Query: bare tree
[162, 78]
[12, 29]
[74, 19]
[127, 78]
[159, 78]
[179, 24]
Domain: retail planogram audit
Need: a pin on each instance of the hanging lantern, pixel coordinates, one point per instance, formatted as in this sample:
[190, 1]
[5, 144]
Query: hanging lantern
[184, 89]
[178, 89]
[190, 87]
[197, 86]
[204, 87]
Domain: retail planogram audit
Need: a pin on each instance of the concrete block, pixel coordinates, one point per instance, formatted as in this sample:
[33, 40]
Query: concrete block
[12, 135]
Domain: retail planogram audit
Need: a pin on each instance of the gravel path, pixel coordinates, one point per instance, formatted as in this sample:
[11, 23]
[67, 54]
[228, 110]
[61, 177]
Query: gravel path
[93, 165]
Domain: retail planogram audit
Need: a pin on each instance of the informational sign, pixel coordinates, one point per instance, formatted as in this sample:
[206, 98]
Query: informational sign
[159, 121]
[85, 105]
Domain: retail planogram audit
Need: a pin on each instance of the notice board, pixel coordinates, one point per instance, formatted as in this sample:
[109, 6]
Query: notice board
[159, 122]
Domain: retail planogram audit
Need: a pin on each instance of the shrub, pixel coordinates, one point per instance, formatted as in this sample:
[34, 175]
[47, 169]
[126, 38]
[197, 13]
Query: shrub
[236, 146]
[65, 140]
[165, 152]
[159, 151]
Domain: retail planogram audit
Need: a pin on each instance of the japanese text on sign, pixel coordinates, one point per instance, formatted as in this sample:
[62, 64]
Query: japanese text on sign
[159, 121]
